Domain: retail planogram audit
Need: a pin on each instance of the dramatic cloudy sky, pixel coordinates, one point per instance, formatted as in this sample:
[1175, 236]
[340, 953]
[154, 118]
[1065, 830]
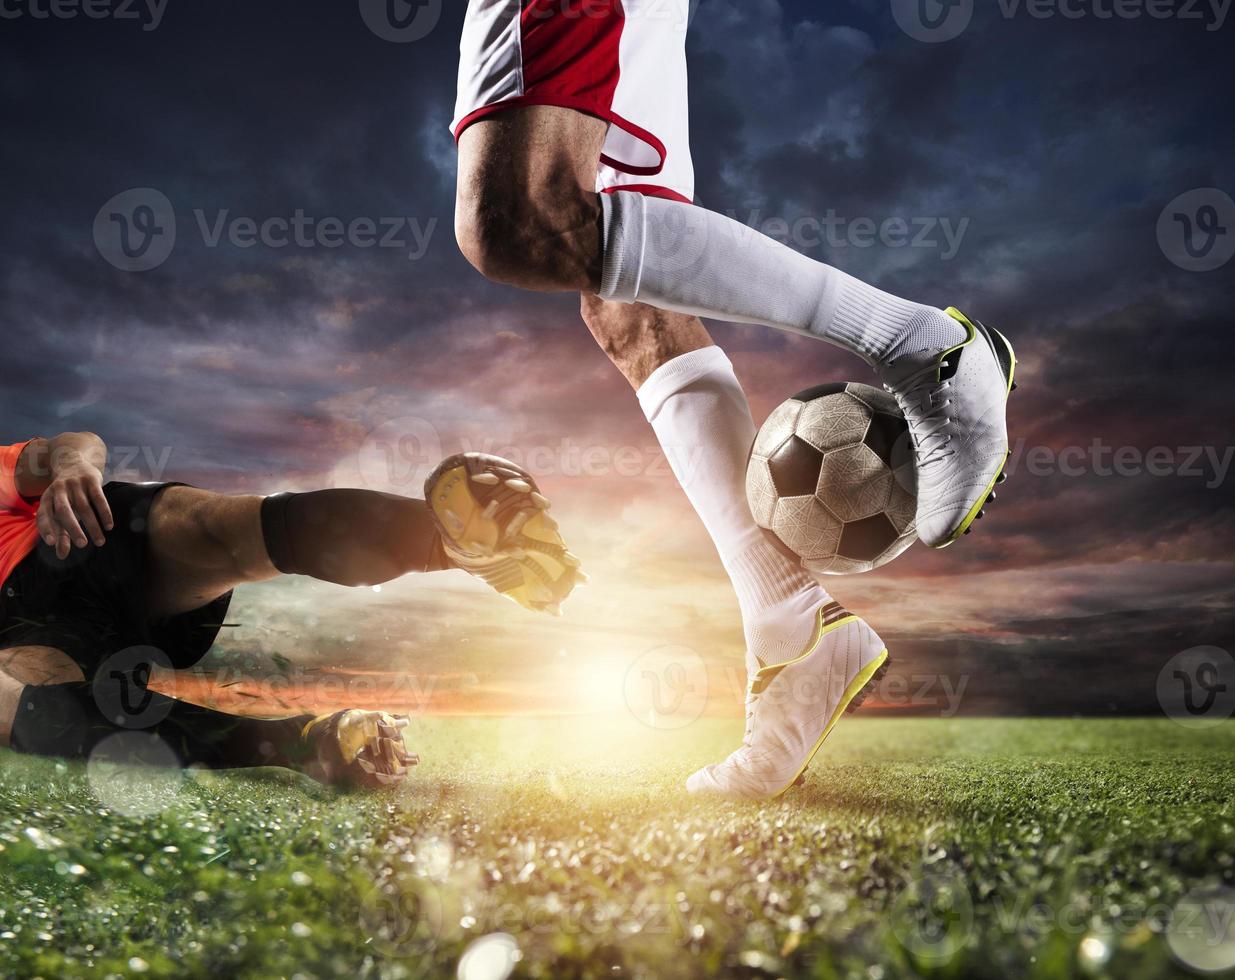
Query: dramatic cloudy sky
[1031, 158]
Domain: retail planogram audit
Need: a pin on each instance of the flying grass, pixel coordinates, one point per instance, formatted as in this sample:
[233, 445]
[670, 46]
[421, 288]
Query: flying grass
[1019, 848]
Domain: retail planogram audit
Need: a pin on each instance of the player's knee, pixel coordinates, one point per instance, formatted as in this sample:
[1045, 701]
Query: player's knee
[486, 244]
[527, 237]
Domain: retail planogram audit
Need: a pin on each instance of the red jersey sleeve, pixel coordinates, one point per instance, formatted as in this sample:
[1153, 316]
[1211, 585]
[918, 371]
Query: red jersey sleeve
[10, 499]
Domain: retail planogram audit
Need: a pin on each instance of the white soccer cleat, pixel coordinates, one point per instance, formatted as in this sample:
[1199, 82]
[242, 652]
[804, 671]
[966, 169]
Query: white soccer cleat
[792, 707]
[955, 403]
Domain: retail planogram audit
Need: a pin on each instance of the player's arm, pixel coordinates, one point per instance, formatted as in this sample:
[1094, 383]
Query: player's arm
[65, 474]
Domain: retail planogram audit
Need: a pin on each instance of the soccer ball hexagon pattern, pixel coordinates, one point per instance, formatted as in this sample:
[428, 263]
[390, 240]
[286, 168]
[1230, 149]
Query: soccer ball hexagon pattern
[831, 477]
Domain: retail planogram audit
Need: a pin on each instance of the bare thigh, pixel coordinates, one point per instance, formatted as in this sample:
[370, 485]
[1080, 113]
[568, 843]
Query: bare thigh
[203, 545]
[527, 212]
[21, 666]
[639, 338]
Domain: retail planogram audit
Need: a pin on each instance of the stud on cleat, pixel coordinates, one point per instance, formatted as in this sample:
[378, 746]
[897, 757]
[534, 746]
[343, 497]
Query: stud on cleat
[991, 497]
[493, 524]
[979, 515]
[1002, 478]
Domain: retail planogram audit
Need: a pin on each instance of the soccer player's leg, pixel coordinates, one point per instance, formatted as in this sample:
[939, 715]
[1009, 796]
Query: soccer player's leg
[63, 619]
[21, 666]
[48, 708]
[527, 216]
[807, 660]
[526, 210]
[204, 544]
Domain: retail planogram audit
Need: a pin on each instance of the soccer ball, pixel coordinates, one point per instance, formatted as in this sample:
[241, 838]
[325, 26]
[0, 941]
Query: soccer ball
[831, 477]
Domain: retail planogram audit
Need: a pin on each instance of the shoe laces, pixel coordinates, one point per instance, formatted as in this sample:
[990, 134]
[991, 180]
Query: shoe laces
[924, 399]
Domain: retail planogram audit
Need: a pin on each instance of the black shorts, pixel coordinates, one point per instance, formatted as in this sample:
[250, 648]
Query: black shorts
[97, 601]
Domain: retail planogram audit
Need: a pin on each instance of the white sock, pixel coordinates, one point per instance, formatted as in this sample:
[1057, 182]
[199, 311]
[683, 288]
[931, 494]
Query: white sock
[680, 257]
[703, 422]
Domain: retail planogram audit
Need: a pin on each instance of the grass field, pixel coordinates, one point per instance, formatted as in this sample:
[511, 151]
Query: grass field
[923, 847]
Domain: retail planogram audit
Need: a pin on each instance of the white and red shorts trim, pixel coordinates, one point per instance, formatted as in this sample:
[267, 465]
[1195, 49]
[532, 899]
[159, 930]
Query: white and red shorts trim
[623, 61]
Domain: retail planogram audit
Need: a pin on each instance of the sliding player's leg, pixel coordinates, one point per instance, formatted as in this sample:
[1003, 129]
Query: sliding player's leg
[24, 665]
[951, 375]
[807, 659]
[48, 708]
[203, 544]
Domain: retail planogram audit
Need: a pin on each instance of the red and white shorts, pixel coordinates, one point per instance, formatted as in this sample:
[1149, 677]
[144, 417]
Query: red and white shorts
[623, 61]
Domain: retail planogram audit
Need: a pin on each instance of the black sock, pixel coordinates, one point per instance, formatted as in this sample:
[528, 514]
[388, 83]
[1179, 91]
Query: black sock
[65, 720]
[351, 537]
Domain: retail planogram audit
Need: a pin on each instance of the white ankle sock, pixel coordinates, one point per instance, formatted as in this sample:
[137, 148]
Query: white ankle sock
[702, 419]
[683, 258]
